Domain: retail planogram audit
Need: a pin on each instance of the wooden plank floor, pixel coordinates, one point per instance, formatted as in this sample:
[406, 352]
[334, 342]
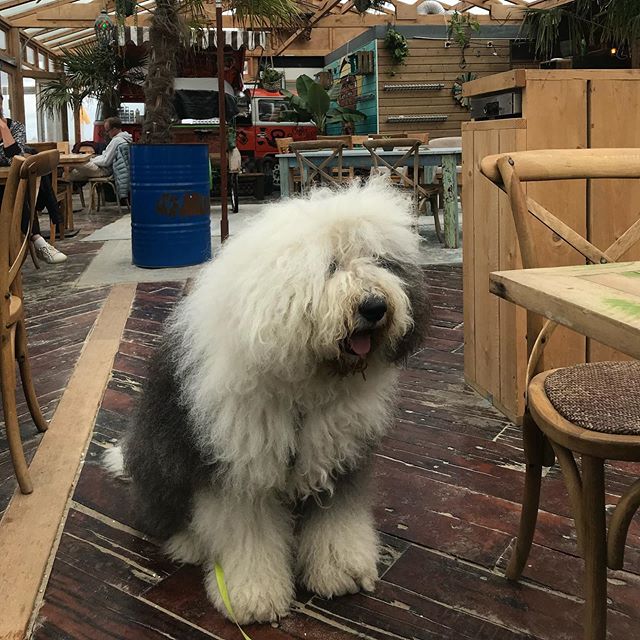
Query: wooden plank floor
[59, 318]
[449, 480]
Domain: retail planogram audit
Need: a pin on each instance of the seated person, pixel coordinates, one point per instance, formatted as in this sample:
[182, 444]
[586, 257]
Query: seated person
[102, 166]
[13, 142]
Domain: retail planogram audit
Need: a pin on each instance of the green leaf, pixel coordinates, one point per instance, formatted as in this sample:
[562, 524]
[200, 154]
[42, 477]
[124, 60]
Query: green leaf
[318, 99]
[302, 85]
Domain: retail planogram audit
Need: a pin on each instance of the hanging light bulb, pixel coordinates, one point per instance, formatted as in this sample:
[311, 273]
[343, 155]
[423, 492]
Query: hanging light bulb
[104, 28]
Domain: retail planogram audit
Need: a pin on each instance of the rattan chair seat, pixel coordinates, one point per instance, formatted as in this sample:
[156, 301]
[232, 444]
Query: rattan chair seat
[598, 396]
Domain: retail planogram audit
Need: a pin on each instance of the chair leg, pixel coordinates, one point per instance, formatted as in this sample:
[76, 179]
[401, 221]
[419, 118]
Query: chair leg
[115, 194]
[22, 356]
[534, 444]
[8, 380]
[32, 253]
[52, 234]
[595, 549]
[81, 191]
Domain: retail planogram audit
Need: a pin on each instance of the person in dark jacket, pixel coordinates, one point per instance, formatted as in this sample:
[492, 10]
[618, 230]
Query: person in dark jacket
[13, 142]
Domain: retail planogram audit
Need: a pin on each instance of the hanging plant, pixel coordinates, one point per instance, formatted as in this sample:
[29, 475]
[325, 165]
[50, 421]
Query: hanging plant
[396, 44]
[460, 29]
[125, 8]
[362, 6]
[456, 89]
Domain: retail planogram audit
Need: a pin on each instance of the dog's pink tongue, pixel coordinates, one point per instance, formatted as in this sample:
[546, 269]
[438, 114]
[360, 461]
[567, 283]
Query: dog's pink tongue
[360, 343]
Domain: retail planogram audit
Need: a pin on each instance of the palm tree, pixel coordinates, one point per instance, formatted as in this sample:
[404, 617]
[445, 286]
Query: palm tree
[89, 70]
[589, 22]
[171, 25]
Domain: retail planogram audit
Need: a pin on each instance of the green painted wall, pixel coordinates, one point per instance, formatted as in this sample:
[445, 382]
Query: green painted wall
[365, 87]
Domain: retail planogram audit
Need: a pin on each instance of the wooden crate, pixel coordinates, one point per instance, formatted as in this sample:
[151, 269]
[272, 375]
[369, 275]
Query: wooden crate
[561, 109]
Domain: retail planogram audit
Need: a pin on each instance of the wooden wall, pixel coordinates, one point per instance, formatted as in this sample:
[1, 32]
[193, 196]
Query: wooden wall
[430, 61]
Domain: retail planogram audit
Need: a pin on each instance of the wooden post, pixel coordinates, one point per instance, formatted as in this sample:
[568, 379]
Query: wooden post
[17, 90]
[224, 220]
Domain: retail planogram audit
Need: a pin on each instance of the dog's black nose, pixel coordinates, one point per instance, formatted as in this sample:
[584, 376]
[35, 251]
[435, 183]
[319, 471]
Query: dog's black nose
[372, 309]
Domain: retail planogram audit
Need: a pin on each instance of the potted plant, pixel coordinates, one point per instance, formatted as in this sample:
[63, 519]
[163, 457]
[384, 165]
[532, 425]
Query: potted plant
[313, 103]
[460, 28]
[171, 181]
[271, 79]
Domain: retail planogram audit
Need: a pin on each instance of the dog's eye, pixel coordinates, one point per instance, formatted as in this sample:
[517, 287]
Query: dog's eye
[333, 267]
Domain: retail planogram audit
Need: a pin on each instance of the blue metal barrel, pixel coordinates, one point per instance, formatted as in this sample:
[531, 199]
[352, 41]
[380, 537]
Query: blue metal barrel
[170, 221]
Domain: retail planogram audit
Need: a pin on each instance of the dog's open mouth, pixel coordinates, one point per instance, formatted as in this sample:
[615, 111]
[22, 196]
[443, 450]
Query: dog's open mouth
[358, 343]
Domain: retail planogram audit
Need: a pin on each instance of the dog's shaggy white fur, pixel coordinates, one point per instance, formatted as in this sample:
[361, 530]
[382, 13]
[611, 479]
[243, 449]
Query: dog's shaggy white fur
[274, 382]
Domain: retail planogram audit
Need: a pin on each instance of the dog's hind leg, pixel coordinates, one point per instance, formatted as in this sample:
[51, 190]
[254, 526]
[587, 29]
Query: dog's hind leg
[338, 545]
[251, 539]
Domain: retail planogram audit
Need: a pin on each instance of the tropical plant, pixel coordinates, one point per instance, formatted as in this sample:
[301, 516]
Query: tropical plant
[89, 70]
[612, 23]
[396, 44]
[171, 25]
[460, 28]
[313, 103]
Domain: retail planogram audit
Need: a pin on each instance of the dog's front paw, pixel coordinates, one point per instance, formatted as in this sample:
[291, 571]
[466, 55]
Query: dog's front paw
[254, 599]
[337, 566]
[184, 547]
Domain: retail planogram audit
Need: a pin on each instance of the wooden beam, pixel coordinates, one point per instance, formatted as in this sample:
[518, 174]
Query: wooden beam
[38, 8]
[56, 36]
[17, 86]
[77, 36]
[8, 60]
[507, 12]
[320, 13]
[40, 75]
[549, 4]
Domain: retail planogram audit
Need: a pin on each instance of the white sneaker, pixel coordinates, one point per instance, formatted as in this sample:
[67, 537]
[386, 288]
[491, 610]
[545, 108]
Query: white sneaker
[50, 254]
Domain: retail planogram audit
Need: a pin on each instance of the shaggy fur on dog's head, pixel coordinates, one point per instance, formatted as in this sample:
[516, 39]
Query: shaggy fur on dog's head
[284, 295]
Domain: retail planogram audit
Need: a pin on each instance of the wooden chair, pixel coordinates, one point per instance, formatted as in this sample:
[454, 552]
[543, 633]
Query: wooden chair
[404, 170]
[22, 184]
[314, 170]
[348, 140]
[58, 186]
[558, 420]
[295, 178]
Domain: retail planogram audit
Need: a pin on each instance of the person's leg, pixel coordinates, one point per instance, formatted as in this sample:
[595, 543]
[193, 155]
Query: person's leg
[47, 200]
[88, 170]
[44, 250]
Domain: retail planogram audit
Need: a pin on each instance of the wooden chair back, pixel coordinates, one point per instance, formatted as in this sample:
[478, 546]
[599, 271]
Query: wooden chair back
[283, 145]
[43, 146]
[397, 166]
[391, 134]
[22, 185]
[348, 140]
[510, 170]
[419, 135]
[314, 169]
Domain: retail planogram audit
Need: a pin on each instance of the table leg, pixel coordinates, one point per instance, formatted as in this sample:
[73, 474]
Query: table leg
[450, 187]
[284, 177]
[68, 214]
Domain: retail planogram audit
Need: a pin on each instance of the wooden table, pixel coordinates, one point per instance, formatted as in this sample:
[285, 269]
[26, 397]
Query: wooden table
[67, 161]
[599, 301]
[447, 158]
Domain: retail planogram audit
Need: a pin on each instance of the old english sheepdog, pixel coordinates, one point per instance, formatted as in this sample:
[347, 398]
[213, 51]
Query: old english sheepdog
[273, 383]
